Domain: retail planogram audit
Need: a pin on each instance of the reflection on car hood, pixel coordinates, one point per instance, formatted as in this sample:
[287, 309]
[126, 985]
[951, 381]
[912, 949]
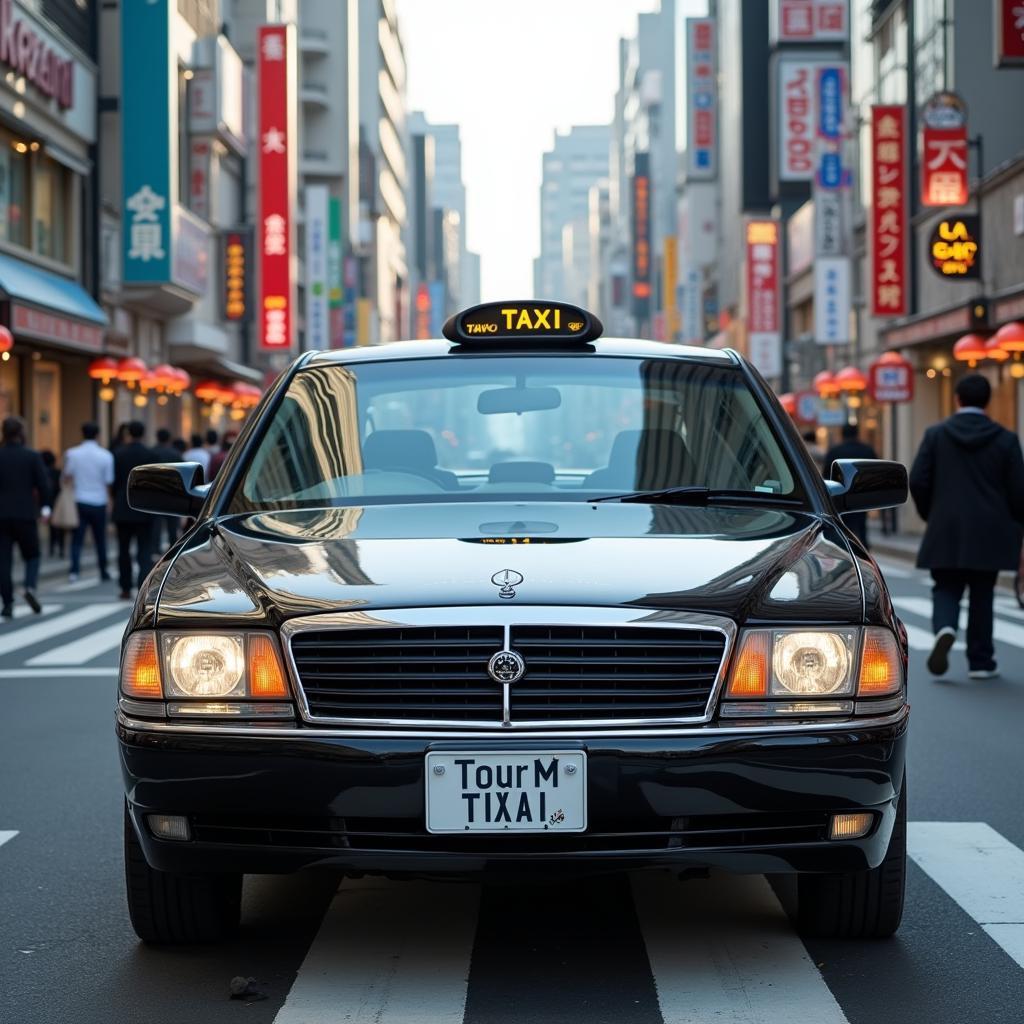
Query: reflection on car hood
[747, 564]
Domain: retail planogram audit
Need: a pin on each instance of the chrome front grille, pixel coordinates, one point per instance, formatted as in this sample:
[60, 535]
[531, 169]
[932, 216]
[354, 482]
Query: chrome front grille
[416, 668]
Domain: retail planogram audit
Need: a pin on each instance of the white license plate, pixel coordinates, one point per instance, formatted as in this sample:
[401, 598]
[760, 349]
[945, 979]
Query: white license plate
[514, 791]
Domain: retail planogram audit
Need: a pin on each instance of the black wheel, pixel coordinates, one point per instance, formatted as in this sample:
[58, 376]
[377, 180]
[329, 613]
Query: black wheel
[858, 904]
[171, 909]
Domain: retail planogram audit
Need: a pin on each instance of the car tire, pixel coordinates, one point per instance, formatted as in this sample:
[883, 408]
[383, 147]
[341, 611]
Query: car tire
[858, 904]
[169, 909]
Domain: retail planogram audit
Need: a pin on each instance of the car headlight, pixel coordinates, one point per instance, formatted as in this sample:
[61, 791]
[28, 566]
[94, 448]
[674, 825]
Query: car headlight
[209, 667]
[813, 671]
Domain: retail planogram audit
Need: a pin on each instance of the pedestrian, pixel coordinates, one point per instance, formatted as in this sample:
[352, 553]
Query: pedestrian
[197, 453]
[967, 482]
[852, 447]
[120, 437]
[814, 449]
[132, 526]
[58, 534]
[180, 445]
[89, 471]
[211, 443]
[218, 460]
[168, 527]
[24, 496]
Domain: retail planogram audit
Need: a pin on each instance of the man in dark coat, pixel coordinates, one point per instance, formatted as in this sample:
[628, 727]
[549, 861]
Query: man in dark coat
[132, 525]
[165, 526]
[968, 484]
[851, 447]
[24, 495]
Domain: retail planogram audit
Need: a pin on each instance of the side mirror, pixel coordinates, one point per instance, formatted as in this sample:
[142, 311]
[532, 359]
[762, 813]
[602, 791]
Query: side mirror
[857, 485]
[168, 488]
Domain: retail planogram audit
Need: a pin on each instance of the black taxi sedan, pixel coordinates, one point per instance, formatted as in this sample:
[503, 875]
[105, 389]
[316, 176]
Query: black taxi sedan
[524, 599]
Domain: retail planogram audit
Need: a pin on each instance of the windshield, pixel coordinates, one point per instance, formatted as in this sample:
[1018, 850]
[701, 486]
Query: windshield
[490, 428]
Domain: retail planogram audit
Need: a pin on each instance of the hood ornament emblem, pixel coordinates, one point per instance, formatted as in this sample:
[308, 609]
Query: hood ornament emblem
[507, 580]
[506, 667]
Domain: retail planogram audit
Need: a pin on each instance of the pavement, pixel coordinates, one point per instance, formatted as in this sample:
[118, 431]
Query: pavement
[643, 948]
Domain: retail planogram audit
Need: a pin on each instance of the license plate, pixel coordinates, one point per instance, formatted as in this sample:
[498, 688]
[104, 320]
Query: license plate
[520, 791]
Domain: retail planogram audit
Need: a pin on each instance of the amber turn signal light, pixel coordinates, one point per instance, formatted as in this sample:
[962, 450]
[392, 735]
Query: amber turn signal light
[749, 676]
[266, 676]
[140, 667]
[881, 672]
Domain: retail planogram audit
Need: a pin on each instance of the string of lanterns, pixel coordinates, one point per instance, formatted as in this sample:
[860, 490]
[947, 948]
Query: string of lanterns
[1006, 344]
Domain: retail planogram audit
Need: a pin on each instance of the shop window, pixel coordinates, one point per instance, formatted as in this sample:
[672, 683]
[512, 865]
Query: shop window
[14, 172]
[49, 206]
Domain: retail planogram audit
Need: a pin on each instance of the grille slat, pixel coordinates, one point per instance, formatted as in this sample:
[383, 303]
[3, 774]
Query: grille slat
[581, 674]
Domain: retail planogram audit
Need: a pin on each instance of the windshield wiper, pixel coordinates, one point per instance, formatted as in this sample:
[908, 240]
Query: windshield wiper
[697, 496]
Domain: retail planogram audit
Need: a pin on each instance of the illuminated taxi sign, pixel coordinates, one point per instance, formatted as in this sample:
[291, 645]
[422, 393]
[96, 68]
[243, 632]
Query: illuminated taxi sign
[955, 247]
[504, 321]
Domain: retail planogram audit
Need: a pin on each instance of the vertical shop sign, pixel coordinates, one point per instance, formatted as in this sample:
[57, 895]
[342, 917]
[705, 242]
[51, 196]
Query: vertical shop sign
[944, 151]
[641, 236]
[317, 309]
[1008, 22]
[810, 21]
[670, 276]
[889, 211]
[701, 100]
[764, 331]
[335, 281]
[276, 229]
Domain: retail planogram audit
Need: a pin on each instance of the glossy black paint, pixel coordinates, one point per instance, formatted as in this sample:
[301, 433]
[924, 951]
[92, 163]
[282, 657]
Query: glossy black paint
[755, 566]
[168, 488]
[859, 485]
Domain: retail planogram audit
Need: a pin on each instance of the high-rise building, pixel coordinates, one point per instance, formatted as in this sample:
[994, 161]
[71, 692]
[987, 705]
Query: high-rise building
[578, 159]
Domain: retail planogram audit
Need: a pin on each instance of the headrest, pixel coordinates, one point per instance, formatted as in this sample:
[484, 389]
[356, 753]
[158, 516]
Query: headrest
[522, 473]
[385, 449]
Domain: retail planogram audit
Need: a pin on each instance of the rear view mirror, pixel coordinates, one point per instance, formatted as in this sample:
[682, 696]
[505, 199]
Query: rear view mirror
[168, 488]
[518, 400]
[857, 485]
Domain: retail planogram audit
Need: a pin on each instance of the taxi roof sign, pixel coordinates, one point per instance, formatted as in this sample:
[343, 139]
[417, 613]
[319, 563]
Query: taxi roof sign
[517, 321]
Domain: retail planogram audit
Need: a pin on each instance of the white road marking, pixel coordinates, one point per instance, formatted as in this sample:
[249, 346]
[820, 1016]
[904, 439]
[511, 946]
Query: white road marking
[57, 672]
[919, 639]
[724, 950]
[51, 628]
[85, 648]
[6, 836]
[1006, 632]
[895, 572]
[22, 611]
[68, 588]
[981, 870]
[391, 953]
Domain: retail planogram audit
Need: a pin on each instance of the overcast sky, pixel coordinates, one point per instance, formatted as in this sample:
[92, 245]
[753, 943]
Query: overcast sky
[510, 72]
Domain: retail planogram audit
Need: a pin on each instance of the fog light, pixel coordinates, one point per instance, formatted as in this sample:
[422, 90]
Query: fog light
[169, 826]
[851, 826]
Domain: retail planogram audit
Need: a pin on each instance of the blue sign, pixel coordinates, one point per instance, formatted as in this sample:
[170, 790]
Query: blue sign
[146, 141]
[830, 103]
[830, 171]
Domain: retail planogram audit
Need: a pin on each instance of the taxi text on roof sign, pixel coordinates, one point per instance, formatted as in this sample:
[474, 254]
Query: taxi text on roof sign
[501, 321]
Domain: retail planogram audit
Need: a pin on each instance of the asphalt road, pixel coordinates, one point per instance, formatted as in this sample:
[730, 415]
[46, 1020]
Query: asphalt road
[644, 948]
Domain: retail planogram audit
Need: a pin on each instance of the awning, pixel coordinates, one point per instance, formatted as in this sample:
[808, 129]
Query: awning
[205, 363]
[23, 282]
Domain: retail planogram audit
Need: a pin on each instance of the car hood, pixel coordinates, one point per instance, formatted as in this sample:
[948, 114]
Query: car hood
[747, 564]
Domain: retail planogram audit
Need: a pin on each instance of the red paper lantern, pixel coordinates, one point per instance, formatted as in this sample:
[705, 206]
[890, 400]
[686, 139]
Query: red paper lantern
[1011, 338]
[891, 358]
[969, 349]
[131, 369]
[6, 339]
[208, 390]
[103, 369]
[825, 384]
[995, 351]
[182, 379]
[849, 378]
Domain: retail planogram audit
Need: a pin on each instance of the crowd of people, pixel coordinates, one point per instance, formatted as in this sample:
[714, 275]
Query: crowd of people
[79, 494]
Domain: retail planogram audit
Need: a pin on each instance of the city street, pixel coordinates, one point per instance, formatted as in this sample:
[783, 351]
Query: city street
[645, 948]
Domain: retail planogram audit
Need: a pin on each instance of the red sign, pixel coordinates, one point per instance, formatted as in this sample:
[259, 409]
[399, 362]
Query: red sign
[889, 222]
[944, 167]
[816, 21]
[31, 55]
[891, 382]
[275, 231]
[764, 335]
[1009, 24]
[34, 323]
[422, 311]
[641, 234]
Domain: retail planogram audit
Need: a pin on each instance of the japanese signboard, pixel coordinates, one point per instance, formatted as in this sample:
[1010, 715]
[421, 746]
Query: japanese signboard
[889, 222]
[275, 228]
[190, 255]
[698, 224]
[701, 99]
[149, 150]
[830, 97]
[891, 382]
[944, 151]
[955, 247]
[810, 21]
[692, 296]
[317, 309]
[796, 101]
[832, 300]
[763, 280]
[335, 281]
[422, 328]
[670, 274]
[1009, 32]
[200, 168]
[235, 249]
[641, 236]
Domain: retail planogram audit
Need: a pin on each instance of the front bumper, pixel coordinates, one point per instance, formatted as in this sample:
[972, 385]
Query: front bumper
[747, 800]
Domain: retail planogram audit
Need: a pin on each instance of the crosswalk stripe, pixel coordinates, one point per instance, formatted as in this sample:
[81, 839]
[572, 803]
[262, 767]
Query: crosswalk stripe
[1006, 632]
[56, 627]
[919, 639]
[85, 648]
[392, 954]
[68, 588]
[22, 611]
[725, 950]
[978, 868]
[893, 571]
[6, 836]
[61, 672]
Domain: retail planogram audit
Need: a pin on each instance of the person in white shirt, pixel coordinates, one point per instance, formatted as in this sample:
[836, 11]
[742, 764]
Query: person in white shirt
[197, 453]
[89, 469]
